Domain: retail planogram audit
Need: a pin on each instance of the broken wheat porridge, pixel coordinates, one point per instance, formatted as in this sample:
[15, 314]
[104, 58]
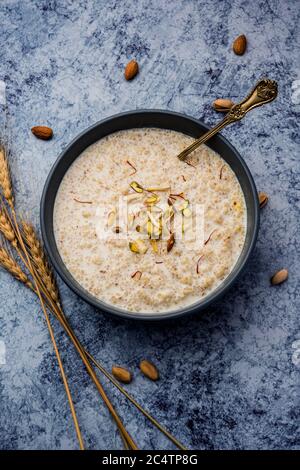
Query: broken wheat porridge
[127, 226]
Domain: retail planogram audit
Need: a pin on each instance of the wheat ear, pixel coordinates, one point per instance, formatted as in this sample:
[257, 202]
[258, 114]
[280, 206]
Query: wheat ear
[40, 261]
[8, 262]
[5, 179]
[6, 228]
[10, 265]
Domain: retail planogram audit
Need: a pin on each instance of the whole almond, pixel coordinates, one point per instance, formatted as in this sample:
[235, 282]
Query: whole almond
[239, 45]
[149, 370]
[123, 375]
[42, 132]
[223, 105]
[263, 199]
[131, 70]
[279, 277]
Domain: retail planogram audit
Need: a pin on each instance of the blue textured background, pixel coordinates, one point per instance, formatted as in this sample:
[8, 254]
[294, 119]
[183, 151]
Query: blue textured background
[227, 378]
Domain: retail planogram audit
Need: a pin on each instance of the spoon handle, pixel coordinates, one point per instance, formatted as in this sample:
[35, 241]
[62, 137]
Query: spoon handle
[264, 92]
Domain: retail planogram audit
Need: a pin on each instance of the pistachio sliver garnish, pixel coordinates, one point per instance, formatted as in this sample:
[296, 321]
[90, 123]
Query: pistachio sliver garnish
[152, 199]
[149, 228]
[130, 220]
[138, 246]
[136, 187]
[154, 245]
[151, 190]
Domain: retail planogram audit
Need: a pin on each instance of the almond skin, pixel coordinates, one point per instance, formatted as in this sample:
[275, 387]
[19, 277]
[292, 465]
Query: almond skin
[123, 375]
[149, 370]
[170, 242]
[223, 105]
[263, 199]
[42, 132]
[239, 45]
[131, 70]
[279, 277]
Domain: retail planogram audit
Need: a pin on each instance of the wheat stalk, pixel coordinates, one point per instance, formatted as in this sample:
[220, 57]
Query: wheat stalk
[57, 310]
[5, 178]
[11, 233]
[28, 244]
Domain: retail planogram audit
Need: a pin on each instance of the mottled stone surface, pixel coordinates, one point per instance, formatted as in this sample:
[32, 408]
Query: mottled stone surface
[229, 377]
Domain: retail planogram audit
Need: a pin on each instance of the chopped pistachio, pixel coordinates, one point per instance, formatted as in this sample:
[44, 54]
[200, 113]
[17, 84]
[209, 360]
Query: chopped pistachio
[138, 246]
[184, 205]
[158, 189]
[150, 228]
[130, 219]
[151, 199]
[154, 245]
[136, 187]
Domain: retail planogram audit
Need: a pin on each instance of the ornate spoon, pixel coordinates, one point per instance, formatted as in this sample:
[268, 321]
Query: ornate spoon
[264, 92]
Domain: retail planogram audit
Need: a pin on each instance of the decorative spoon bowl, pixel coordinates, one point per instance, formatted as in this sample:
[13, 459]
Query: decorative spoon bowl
[264, 92]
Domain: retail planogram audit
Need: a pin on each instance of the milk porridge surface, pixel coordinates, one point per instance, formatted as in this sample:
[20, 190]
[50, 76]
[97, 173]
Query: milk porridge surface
[157, 280]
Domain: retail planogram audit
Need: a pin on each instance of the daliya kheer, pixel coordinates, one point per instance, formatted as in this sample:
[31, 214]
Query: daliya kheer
[159, 257]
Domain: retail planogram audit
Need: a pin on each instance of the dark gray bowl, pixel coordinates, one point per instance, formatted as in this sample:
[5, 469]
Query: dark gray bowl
[165, 120]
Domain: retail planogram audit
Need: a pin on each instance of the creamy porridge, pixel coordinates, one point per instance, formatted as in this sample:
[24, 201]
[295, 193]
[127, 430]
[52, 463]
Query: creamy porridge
[140, 229]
